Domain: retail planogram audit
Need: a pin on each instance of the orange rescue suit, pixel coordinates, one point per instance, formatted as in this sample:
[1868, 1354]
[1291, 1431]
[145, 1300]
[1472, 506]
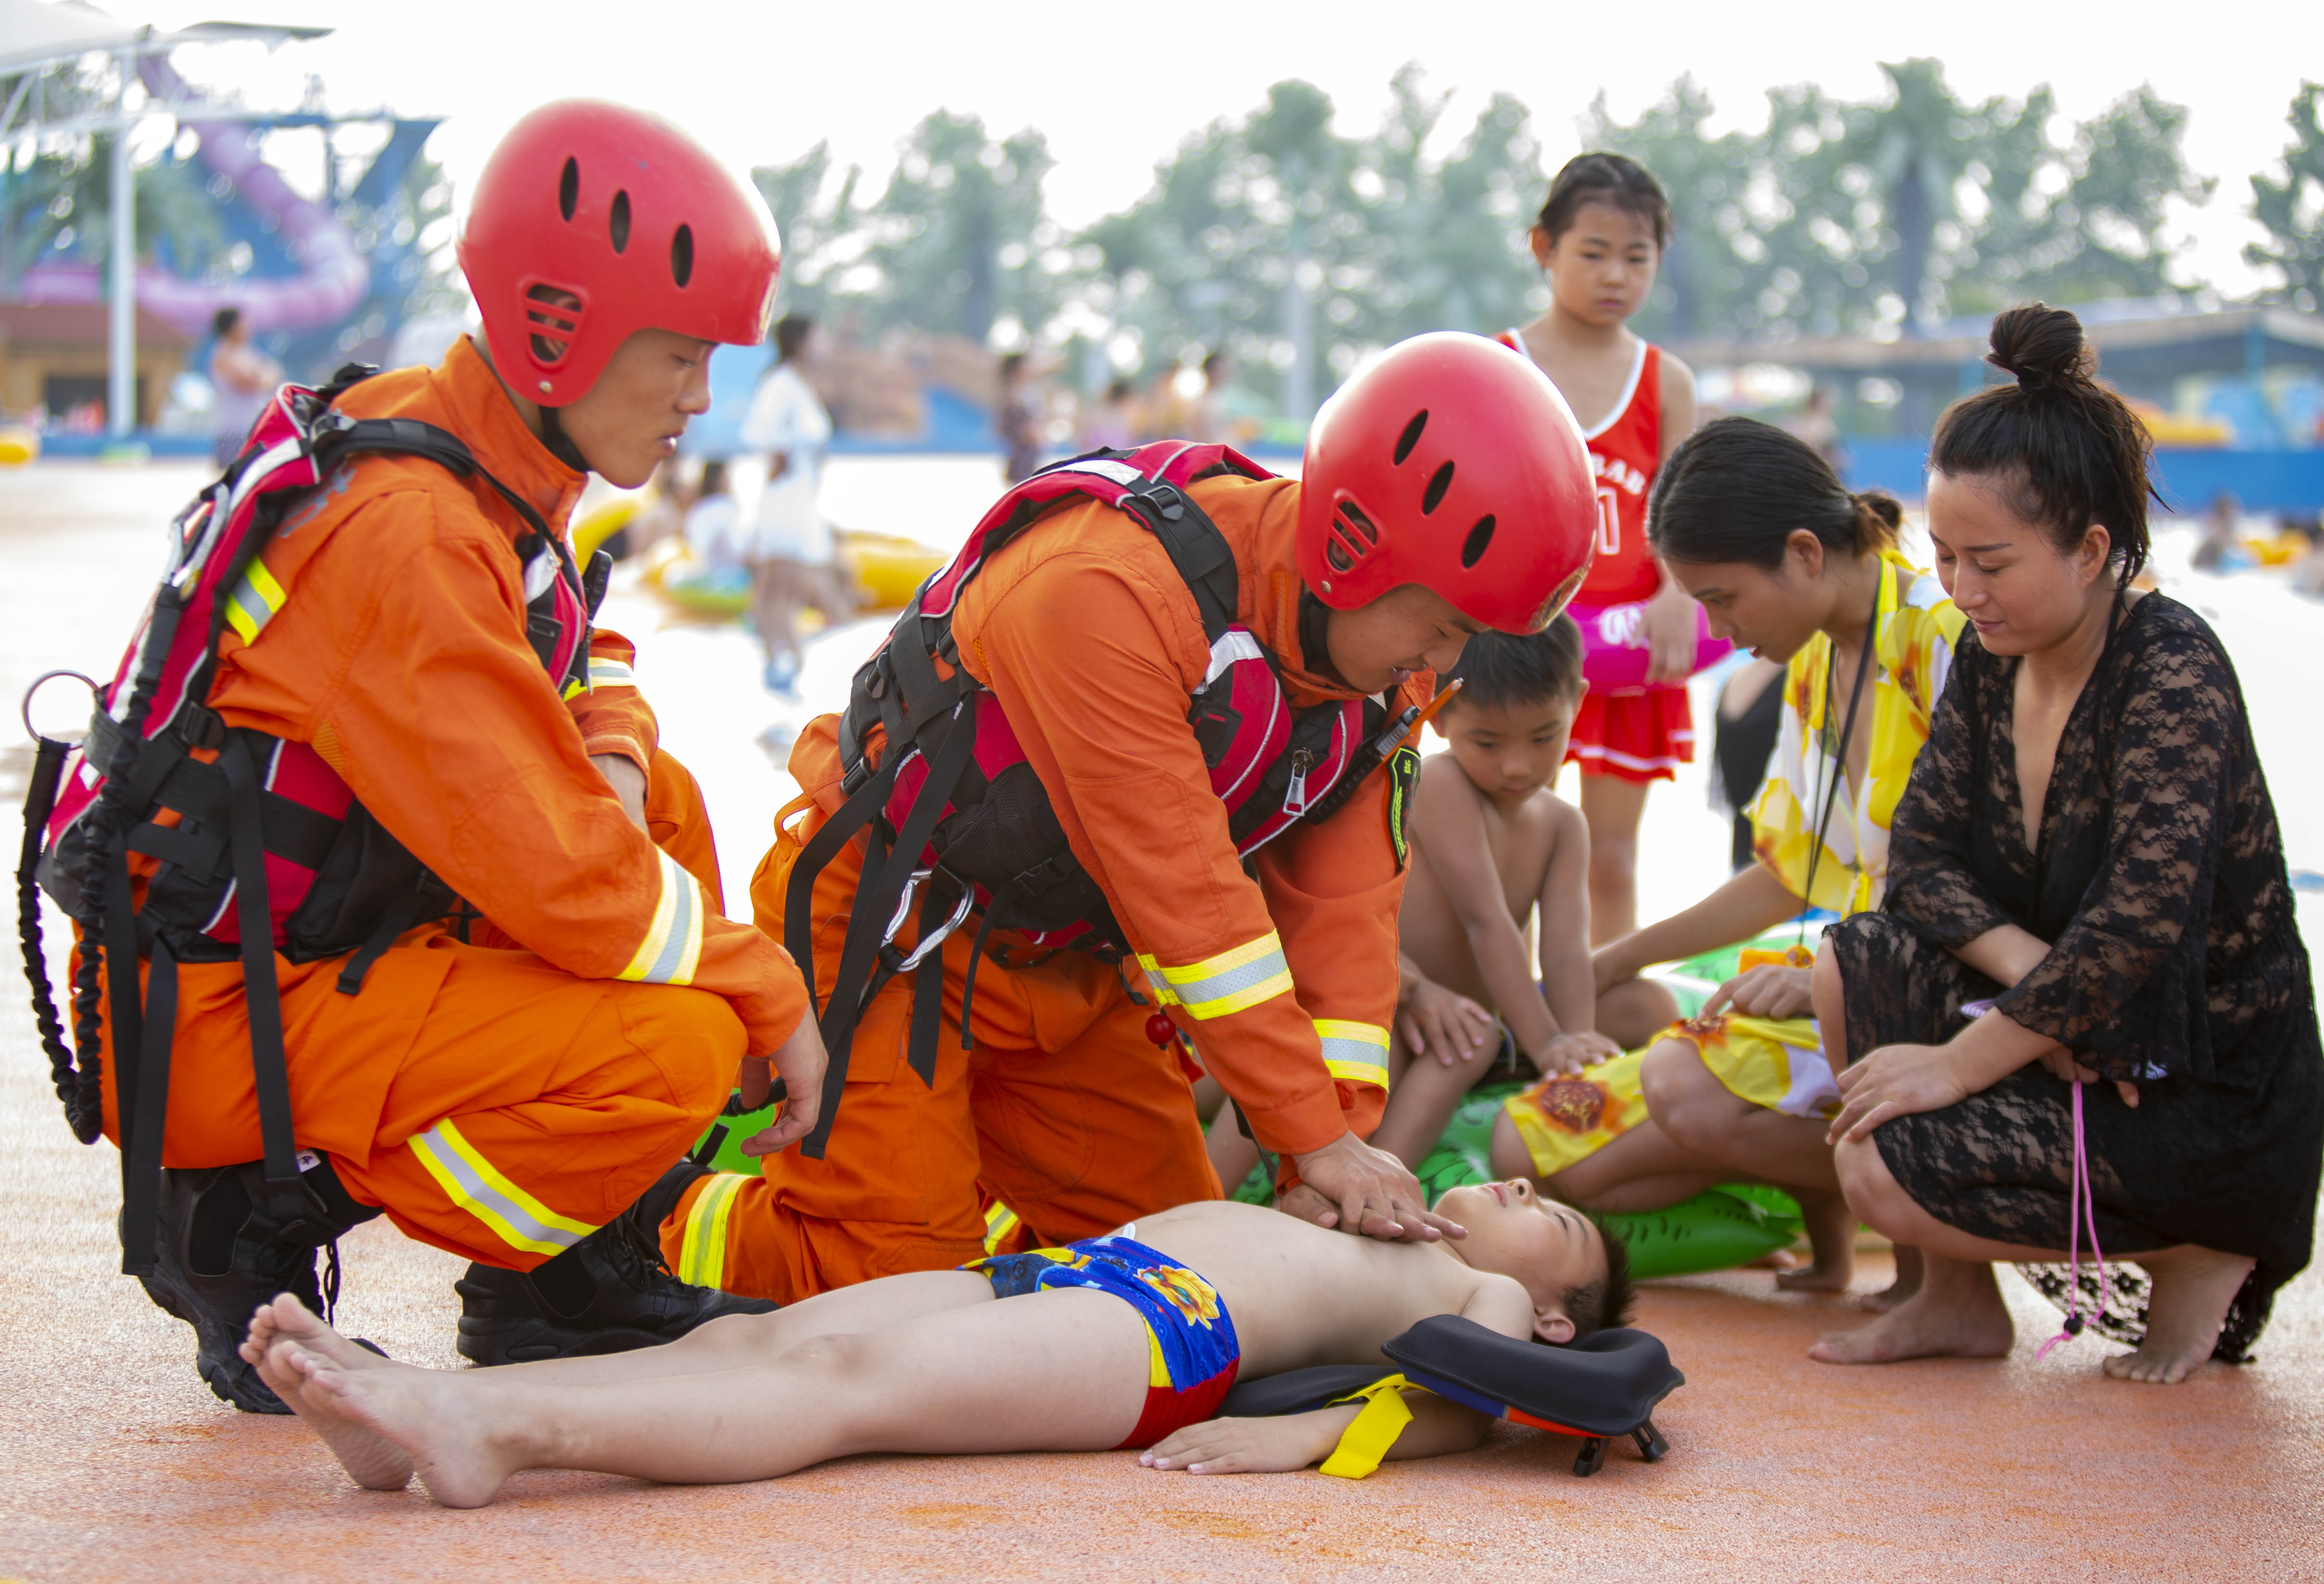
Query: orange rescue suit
[503, 1097]
[1066, 1112]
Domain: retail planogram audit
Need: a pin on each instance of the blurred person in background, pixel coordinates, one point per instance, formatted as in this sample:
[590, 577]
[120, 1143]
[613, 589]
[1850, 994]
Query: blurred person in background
[789, 548]
[1112, 423]
[243, 376]
[1019, 419]
[1209, 424]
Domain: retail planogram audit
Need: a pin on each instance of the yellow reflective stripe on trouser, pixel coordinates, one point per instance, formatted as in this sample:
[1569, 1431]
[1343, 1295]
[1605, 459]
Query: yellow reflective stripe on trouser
[1356, 1053]
[478, 1187]
[1372, 1432]
[673, 944]
[702, 1257]
[610, 674]
[253, 602]
[998, 1222]
[1228, 982]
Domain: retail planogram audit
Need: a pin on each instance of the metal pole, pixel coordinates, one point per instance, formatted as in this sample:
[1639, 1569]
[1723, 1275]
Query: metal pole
[121, 370]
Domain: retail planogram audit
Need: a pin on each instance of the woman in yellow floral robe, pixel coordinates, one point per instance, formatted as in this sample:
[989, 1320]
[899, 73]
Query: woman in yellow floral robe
[1796, 568]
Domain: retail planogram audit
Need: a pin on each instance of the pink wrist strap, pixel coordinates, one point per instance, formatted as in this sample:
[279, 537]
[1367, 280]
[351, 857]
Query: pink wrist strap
[2079, 1207]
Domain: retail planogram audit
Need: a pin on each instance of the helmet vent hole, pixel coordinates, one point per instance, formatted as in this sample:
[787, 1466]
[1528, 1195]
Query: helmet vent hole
[1480, 537]
[618, 225]
[1352, 539]
[569, 188]
[1438, 482]
[681, 255]
[1411, 436]
[553, 315]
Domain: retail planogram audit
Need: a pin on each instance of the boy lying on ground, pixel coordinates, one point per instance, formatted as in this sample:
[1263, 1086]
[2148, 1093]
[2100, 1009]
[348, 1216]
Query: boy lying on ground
[1126, 1345]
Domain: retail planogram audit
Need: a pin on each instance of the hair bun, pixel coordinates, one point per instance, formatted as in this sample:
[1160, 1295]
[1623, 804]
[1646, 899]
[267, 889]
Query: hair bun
[2041, 345]
[1881, 507]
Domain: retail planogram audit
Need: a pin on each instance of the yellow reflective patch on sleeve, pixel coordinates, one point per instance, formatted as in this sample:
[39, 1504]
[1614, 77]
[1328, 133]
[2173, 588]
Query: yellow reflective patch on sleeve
[1356, 1053]
[253, 603]
[673, 943]
[1216, 987]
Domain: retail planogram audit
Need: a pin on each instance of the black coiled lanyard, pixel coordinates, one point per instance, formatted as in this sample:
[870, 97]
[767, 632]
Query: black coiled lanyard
[1827, 795]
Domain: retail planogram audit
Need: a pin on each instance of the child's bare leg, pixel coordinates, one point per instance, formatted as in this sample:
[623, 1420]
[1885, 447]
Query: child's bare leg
[1421, 1101]
[1232, 1155]
[734, 1342]
[1832, 1241]
[1907, 1282]
[1613, 807]
[1633, 1011]
[1054, 1371]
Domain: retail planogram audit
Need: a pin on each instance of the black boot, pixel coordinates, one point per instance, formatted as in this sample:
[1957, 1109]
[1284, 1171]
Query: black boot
[221, 1251]
[608, 1293]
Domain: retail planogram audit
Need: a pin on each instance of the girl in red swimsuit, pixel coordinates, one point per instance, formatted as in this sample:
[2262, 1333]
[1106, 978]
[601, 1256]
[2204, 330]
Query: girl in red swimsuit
[1599, 240]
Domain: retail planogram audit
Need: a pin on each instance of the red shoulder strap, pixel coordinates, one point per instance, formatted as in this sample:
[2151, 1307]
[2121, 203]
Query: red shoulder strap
[1101, 475]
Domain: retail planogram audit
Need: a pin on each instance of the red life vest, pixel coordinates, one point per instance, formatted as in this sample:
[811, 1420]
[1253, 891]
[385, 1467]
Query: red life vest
[954, 805]
[270, 851]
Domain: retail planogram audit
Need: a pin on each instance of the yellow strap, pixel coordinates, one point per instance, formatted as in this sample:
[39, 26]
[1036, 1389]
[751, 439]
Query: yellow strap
[1373, 1431]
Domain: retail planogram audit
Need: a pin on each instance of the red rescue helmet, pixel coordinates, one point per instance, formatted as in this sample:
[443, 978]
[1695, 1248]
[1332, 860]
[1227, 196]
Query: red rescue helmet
[597, 203]
[1452, 463]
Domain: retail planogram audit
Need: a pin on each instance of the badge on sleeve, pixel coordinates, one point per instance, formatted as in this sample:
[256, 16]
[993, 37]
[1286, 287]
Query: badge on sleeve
[1402, 772]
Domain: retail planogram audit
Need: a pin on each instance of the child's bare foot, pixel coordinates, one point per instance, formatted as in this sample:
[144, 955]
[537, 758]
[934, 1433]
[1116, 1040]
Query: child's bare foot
[372, 1463]
[1907, 1282]
[1831, 1234]
[2192, 1288]
[424, 1413]
[1963, 1319]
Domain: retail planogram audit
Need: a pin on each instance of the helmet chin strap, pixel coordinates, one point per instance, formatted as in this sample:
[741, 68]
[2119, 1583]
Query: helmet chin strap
[560, 443]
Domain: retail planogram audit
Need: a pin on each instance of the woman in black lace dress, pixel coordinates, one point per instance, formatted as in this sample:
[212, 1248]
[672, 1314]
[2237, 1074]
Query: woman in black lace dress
[2086, 882]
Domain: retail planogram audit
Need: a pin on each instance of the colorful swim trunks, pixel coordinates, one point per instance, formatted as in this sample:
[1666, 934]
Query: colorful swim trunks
[1193, 1353]
[1778, 1063]
[1571, 1117]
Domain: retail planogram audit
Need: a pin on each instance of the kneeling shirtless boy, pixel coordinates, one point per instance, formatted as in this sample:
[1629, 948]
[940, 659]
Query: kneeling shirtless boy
[1127, 1347]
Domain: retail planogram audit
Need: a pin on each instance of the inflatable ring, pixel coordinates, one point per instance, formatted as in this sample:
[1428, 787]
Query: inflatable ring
[603, 524]
[19, 445]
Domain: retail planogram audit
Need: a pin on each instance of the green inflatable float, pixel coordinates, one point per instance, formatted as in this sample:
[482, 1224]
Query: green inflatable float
[1717, 1230]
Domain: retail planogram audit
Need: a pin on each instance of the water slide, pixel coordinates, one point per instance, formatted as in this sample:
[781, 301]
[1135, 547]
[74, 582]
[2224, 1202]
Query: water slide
[330, 279]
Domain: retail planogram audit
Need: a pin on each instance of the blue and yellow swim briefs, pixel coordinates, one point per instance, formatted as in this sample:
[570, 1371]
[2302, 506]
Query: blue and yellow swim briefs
[1193, 1353]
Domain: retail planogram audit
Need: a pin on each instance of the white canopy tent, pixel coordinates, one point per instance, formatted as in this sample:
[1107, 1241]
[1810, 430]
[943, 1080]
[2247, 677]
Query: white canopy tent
[37, 36]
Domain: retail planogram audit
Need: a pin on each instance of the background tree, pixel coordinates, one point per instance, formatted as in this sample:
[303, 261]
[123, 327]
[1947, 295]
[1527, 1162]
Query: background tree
[958, 238]
[2292, 206]
[821, 227]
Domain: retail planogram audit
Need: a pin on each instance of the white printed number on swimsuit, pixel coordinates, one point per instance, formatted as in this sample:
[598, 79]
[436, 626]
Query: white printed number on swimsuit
[1610, 521]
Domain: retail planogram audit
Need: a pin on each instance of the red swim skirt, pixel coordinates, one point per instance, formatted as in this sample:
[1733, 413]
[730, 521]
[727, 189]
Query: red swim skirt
[1640, 737]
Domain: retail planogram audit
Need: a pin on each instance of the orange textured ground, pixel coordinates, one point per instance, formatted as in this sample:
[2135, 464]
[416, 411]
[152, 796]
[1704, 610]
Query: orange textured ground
[115, 1462]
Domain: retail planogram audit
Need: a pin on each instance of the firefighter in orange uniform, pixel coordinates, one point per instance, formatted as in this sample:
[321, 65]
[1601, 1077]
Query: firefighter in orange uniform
[513, 1089]
[1184, 790]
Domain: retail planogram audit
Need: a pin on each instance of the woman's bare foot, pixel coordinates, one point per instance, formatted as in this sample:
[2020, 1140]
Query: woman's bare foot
[428, 1414]
[1831, 1234]
[2188, 1303]
[371, 1461]
[1907, 1282]
[1962, 1316]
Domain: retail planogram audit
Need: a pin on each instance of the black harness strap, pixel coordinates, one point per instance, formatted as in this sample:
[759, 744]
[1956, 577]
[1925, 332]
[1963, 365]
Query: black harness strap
[145, 1119]
[877, 896]
[261, 996]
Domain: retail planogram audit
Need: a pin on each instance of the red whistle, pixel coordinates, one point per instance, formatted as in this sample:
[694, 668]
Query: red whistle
[1161, 1029]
